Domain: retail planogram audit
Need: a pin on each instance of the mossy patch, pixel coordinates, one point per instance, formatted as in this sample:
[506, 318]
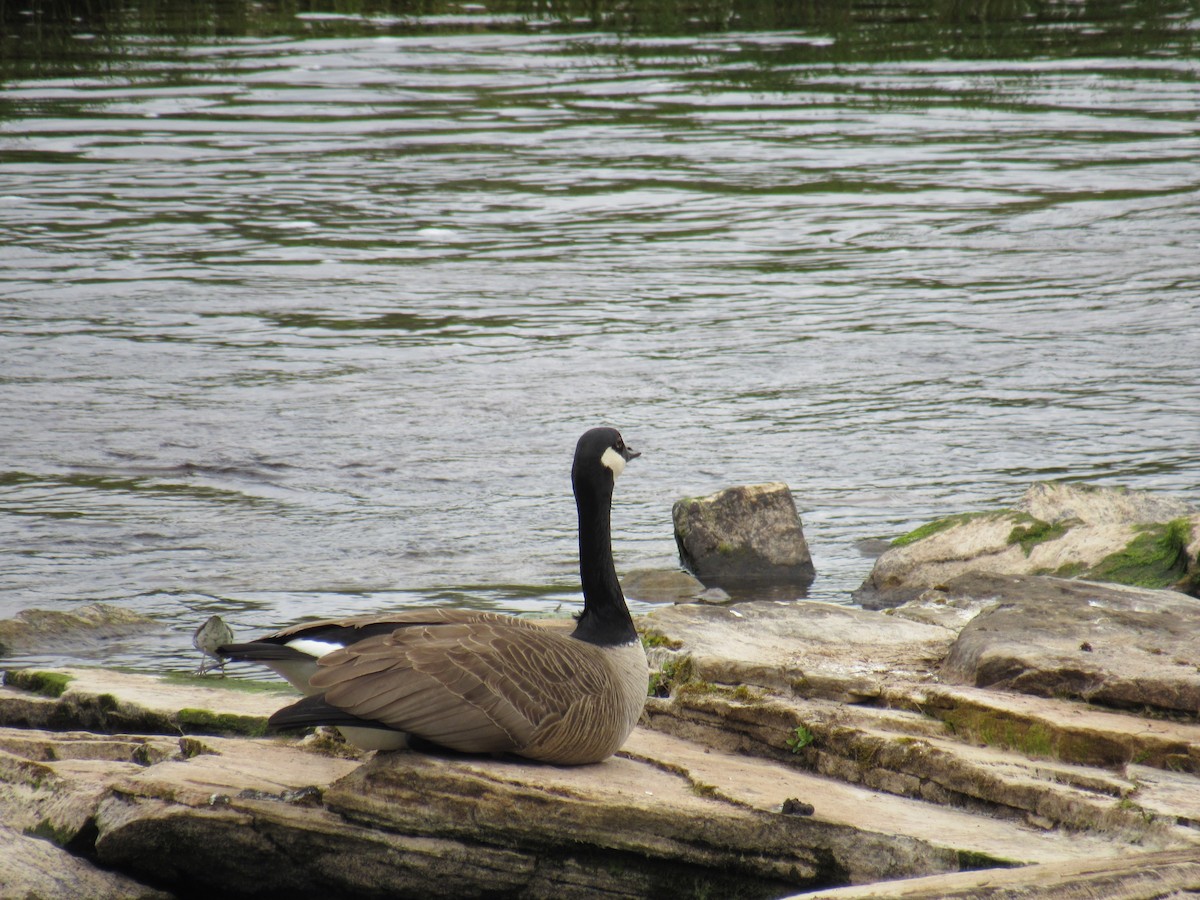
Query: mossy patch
[992, 730]
[652, 638]
[48, 684]
[674, 671]
[1036, 532]
[1156, 558]
[995, 728]
[741, 693]
[204, 721]
[939, 525]
[677, 677]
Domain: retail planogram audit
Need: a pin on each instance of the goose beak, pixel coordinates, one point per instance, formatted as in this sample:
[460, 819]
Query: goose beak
[629, 453]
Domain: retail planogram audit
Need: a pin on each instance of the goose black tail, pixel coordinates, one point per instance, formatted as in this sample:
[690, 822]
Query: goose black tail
[313, 711]
[260, 651]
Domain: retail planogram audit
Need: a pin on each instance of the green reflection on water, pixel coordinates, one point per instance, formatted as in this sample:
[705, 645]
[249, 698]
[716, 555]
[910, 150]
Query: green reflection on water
[40, 38]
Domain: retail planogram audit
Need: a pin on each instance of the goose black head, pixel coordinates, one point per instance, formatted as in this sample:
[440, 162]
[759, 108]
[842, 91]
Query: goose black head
[601, 452]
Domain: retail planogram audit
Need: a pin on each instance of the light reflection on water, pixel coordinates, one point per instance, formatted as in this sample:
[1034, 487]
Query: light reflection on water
[307, 327]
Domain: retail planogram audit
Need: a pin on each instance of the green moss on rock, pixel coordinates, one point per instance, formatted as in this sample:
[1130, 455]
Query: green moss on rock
[1036, 532]
[1156, 558]
[48, 684]
[939, 525]
[204, 721]
[652, 638]
[995, 728]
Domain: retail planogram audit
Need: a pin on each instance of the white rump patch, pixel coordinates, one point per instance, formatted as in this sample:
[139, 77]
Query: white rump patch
[314, 648]
[614, 461]
[374, 738]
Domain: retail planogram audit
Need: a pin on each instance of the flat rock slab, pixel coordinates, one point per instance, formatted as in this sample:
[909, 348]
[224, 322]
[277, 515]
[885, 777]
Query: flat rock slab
[822, 649]
[1131, 876]
[765, 785]
[106, 700]
[1055, 728]
[1108, 644]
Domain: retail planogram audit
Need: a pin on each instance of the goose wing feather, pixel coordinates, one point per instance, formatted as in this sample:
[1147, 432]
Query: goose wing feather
[476, 687]
[351, 628]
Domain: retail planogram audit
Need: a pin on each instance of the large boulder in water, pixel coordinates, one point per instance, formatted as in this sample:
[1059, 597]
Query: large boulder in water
[1067, 530]
[747, 536]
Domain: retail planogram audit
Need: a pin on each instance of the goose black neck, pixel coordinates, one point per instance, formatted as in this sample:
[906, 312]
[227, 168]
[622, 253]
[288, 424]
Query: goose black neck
[605, 619]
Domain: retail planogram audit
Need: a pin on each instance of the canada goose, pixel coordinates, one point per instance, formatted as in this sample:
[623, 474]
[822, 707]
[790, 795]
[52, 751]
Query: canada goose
[482, 682]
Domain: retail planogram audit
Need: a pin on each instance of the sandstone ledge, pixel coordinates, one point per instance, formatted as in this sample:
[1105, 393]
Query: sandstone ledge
[792, 747]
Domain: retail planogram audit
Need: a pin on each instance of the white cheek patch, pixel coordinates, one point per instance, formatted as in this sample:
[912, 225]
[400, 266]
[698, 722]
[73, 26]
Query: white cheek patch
[614, 461]
[314, 648]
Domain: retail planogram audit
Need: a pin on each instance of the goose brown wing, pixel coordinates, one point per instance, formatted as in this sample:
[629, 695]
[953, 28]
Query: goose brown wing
[477, 687]
[351, 628]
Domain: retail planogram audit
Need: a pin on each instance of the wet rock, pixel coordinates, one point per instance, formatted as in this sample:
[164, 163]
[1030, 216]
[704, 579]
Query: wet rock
[32, 628]
[661, 586]
[1108, 644]
[714, 595]
[1077, 531]
[743, 536]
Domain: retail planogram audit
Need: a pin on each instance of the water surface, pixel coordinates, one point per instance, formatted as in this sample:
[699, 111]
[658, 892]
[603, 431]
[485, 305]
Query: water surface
[304, 317]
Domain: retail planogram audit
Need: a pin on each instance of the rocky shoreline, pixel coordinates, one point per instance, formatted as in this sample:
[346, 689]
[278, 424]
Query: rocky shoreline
[997, 734]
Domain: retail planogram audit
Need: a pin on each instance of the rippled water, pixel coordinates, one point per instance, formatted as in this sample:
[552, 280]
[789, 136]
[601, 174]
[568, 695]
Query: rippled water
[296, 326]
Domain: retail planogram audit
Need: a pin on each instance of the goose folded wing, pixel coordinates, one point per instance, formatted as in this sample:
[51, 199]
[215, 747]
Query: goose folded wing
[478, 687]
[348, 630]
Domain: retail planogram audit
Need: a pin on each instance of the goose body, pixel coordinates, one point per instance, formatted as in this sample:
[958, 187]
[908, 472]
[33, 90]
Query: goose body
[481, 682]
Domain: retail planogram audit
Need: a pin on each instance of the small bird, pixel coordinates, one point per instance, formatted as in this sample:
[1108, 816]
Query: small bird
[481, 682]
[207, 639]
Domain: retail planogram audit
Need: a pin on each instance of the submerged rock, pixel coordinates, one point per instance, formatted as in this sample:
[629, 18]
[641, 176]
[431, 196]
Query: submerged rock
[84, 625]
[744, 536]
[1076, 531]
[661, 585]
